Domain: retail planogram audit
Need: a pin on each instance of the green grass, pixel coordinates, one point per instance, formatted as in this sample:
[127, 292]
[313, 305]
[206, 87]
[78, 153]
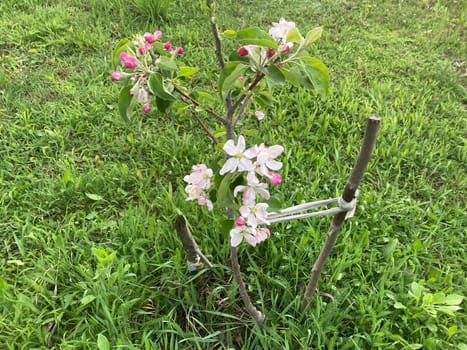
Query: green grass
[76, 181]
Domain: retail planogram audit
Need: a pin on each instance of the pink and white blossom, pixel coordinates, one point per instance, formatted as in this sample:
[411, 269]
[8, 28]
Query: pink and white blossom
[238, 233]
[261, 234]
[253, 187]
[259, 115]
[142, 95]
[255, 215]
[280, 30]
[199, 181]
[238, 158]
[265, 160]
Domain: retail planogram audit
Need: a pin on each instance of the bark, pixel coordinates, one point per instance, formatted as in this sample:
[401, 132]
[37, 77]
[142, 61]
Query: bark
[192, 251]
[348, 195]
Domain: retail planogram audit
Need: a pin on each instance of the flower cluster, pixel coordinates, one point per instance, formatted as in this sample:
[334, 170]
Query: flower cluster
[262, 56]
[255, 162]
[140, 61]
[199, 182]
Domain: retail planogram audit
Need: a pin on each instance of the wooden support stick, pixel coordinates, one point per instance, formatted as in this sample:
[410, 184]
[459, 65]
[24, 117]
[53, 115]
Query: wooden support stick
[348, 195]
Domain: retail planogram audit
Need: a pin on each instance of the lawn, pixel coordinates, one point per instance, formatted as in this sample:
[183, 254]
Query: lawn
[89, 257]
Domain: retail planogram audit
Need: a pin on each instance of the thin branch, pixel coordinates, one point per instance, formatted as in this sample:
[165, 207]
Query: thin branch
[186, 98]
[205, 128]
[257, 315]
[241, 109]
[348, 195]
[215, 33]
[192, 251]
[253, 84]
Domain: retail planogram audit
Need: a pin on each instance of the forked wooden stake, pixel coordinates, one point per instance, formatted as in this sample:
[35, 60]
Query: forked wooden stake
[348, 195]
[192, 251]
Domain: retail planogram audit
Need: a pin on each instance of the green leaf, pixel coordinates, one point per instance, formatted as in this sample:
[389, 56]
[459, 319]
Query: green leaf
[87, 299]
[94, 197]
[274, 74]
[255, 36]
[230, 74]
[453, 299]
[102, 342]
[296, 77]
[167, 63]
[3, 284]
[225, 198]
[186, 71]
[67, 176]
[156, 83]
[163, 105]
[416, 289]
[264, 99]
[452, 330]
[229, 33]
[125, 103]
[317, 73]
[399, 305]
[201, 94]
[448, 310]
[312, 36]
[121, 46]
[294, 36]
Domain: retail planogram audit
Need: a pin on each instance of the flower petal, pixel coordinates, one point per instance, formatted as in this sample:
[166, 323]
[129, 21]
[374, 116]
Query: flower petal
[235, 237]
[229, 166]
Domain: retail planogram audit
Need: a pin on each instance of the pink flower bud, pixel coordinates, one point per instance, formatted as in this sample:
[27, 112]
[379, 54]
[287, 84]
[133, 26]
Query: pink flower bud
[117, 76]
[270, 52]
[128, 60]
[201, 200]
[168, 46]
[158, 35]
[242, 51]
[149, 37]
[123, 55]
[285, 48]
[179, 51]
[146, 108]
[141, 50]
[275, 178]
[132, 92]
[240, 221]
[241, 78]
